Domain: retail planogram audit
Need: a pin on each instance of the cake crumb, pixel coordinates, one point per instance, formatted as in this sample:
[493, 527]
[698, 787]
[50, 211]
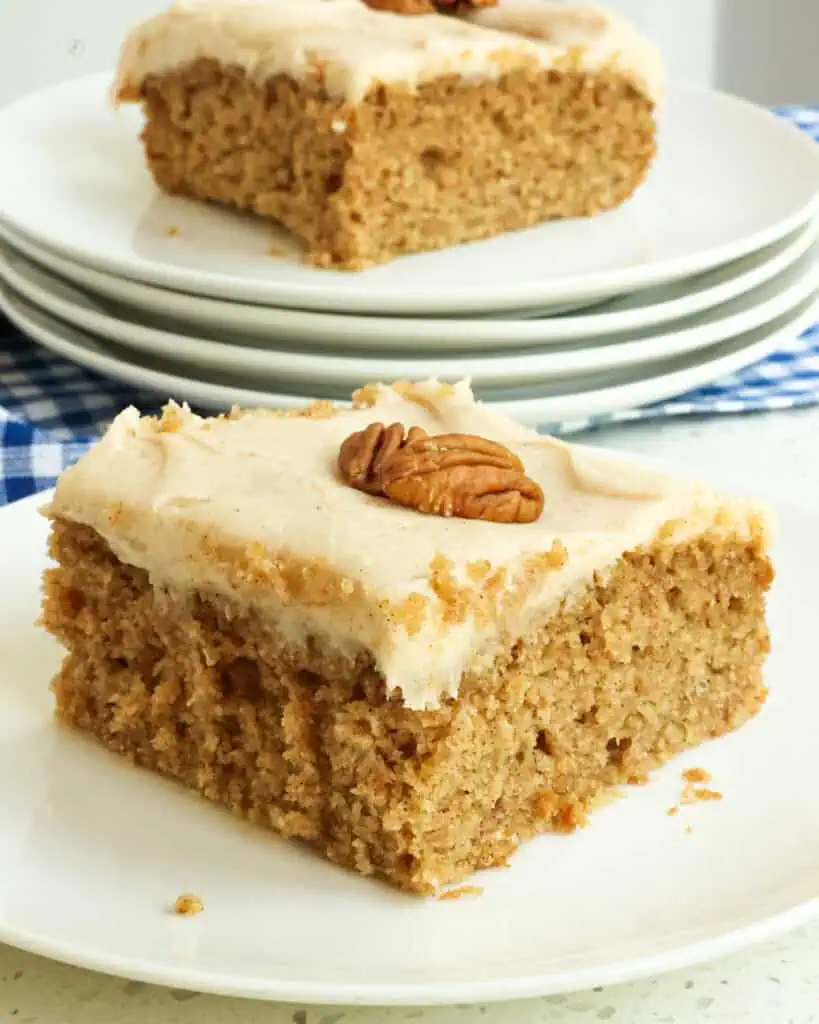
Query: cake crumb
[707, 794]
[461, 891]
[172, 231]
[188, 905]
[277, 251]
[694, 790]
[688, 829]
[672, 811]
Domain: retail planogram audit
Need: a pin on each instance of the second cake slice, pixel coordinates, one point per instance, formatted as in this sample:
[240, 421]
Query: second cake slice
[369, 134]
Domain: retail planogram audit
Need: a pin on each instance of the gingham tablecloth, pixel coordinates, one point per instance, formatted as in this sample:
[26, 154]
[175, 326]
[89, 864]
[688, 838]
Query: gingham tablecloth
[51, 410]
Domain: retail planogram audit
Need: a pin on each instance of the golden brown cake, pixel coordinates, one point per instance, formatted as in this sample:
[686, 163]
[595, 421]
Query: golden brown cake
[412, 648]
[369, 133]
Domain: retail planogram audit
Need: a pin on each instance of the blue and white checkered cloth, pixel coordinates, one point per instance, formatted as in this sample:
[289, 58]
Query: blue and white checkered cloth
[51, 410]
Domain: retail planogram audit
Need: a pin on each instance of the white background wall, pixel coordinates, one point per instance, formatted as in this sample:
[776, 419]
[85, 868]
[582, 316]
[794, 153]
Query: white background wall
[767, 50]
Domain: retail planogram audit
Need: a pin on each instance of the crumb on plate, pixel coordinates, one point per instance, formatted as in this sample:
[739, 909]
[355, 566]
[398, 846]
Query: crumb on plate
[461, 891]
[188, 905]
[694, 790]
[707, 794]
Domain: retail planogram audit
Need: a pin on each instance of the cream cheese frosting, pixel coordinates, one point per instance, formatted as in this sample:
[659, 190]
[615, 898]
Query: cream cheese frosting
[252, 508]
[357, 47]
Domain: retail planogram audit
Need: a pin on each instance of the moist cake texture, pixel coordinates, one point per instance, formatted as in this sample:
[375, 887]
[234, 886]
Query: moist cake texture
[413, 694]
[369, 133]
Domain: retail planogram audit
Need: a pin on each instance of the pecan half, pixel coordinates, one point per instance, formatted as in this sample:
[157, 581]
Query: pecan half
[402, 6]
[446, 475]
[454, 6]
[427, 6]
[462, 475]
[363, 455]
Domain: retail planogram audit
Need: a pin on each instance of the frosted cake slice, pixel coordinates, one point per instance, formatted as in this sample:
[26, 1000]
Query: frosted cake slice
[369, 133]
[413, 633]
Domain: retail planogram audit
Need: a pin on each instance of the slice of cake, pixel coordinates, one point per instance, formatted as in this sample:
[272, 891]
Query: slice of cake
[413, 633]
[369, 133]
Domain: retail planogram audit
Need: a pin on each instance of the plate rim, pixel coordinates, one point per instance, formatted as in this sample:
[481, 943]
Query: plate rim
[199, 309]
[432, 993]
[493, 370]
[473, 299]
[524, 409]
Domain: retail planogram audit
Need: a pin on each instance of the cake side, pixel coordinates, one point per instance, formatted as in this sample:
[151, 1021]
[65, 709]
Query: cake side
[400, 171]
[665, 653]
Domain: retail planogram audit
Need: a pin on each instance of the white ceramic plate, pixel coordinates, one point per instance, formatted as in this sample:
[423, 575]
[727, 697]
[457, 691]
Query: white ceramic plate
[256, 325]
[330, 370]
[175, 313]
[536, 405]
[93, 852]
[730, 179]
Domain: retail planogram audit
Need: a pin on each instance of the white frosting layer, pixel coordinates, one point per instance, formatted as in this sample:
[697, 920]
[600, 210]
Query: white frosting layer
[599, 38]
[265, 488]
[357, 47]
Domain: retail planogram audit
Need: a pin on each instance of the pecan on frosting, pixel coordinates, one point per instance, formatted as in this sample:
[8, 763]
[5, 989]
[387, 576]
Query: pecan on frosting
[427, 6]
[363, 455]
[446, 475]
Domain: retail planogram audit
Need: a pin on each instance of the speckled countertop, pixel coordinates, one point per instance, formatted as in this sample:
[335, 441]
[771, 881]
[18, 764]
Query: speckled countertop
[776, 455]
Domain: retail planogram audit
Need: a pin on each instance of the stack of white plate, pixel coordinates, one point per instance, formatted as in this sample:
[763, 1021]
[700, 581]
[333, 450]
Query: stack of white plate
[714, 264]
